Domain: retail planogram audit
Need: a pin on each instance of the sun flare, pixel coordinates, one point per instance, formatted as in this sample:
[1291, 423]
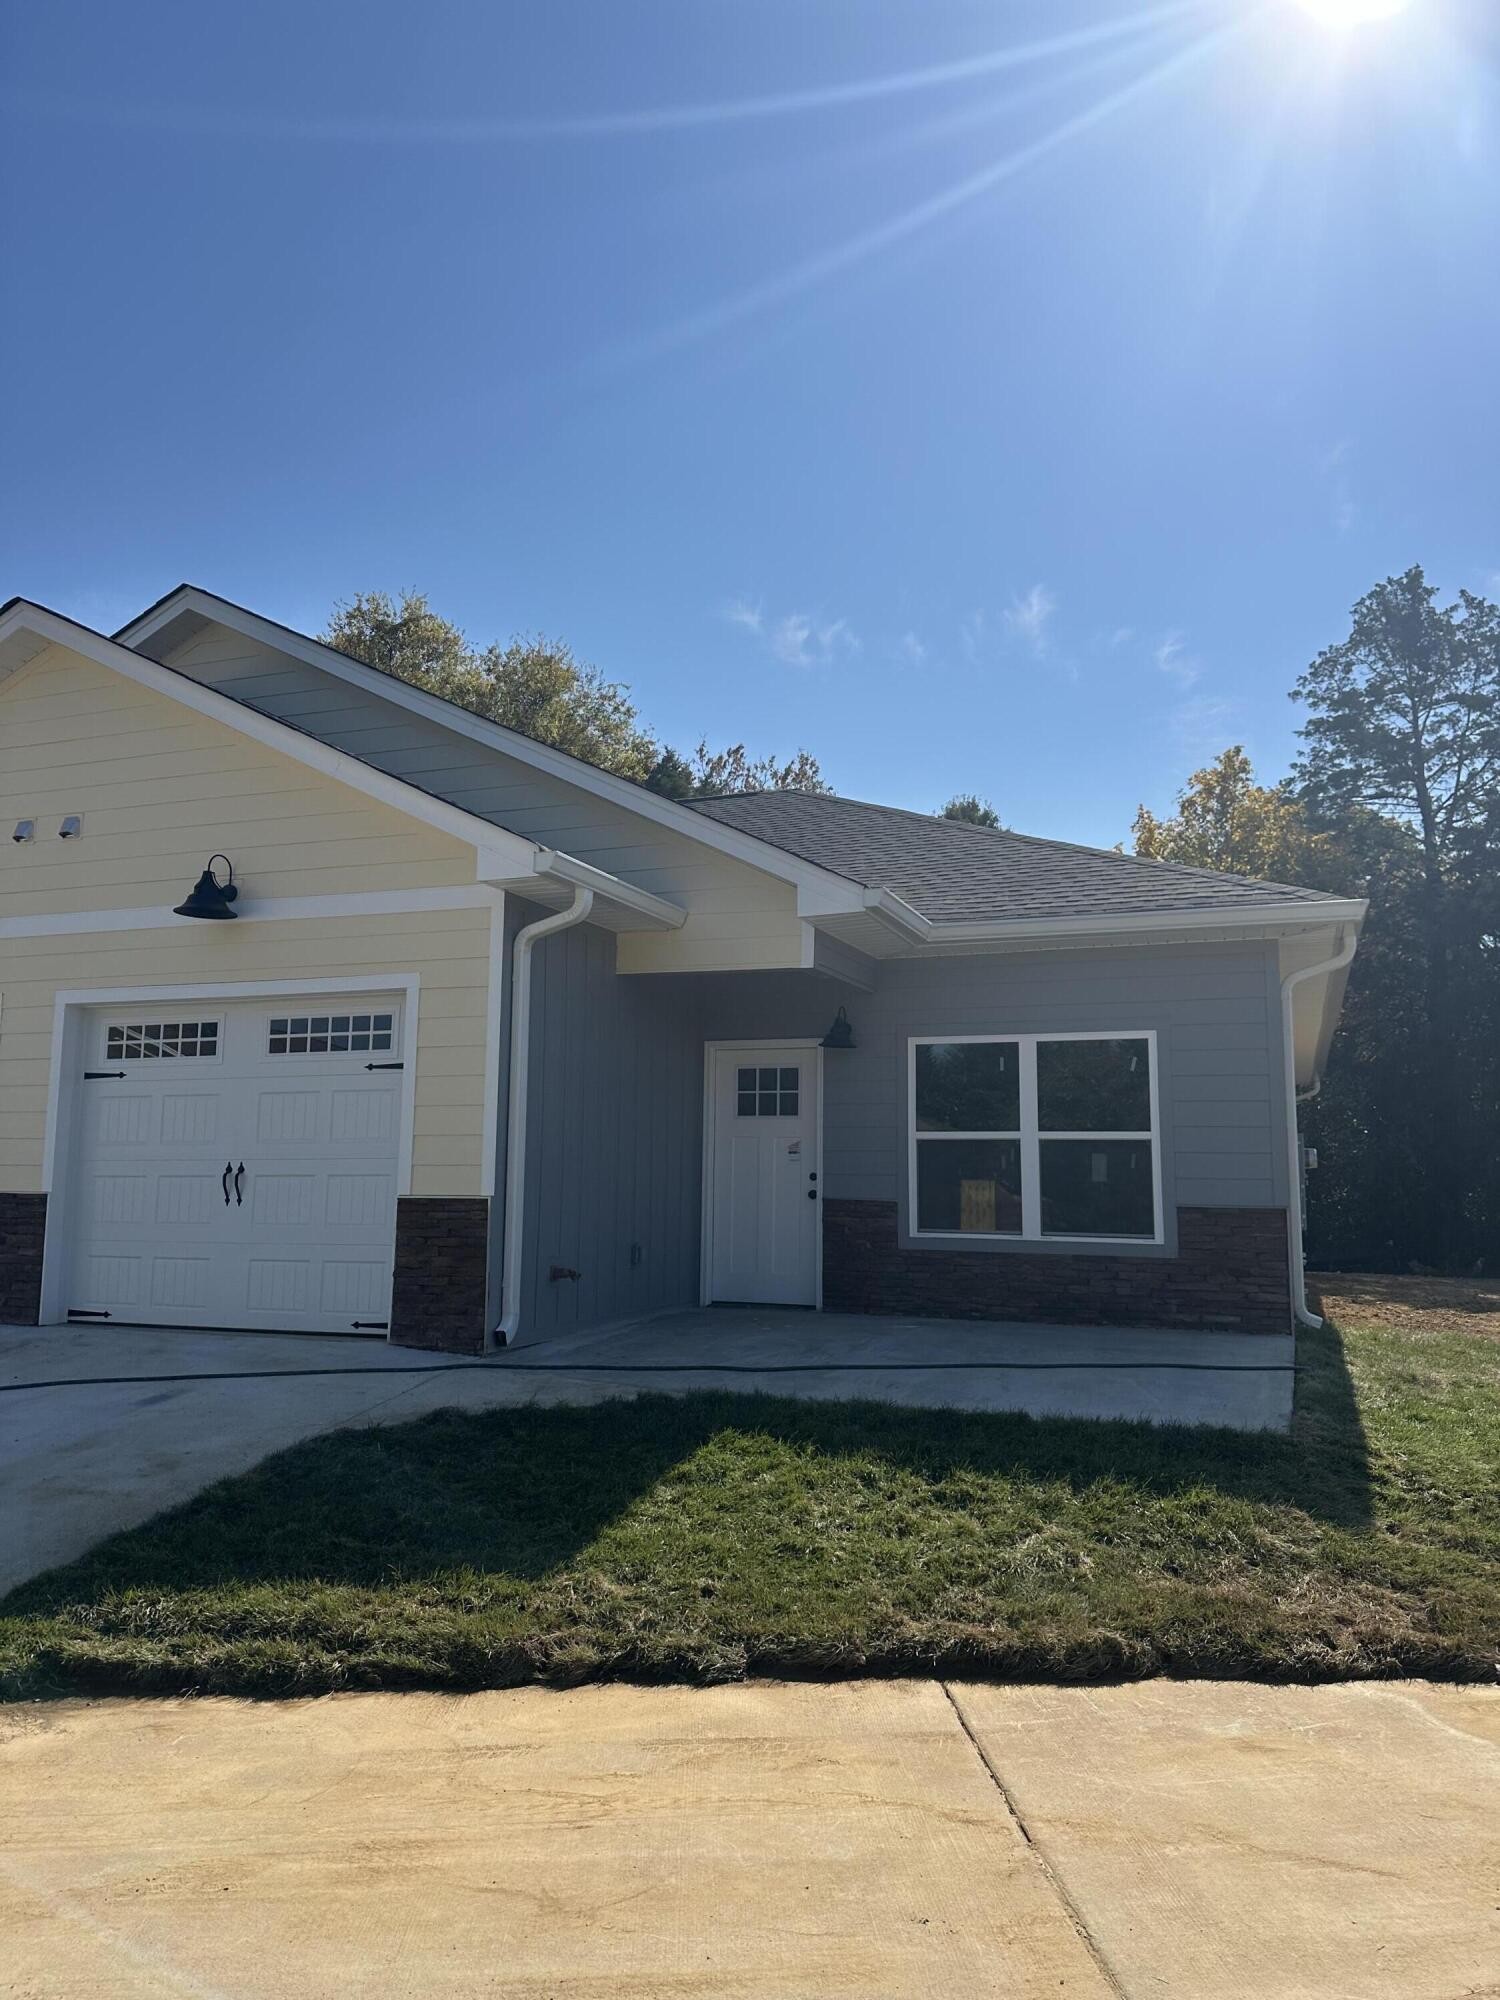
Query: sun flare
[1351, 13]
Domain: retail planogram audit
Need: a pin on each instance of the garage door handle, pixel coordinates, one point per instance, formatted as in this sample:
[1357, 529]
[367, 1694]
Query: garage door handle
[239, 1185]
[228, 1170]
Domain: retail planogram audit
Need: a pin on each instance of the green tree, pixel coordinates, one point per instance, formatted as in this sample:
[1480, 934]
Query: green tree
[1404, 723]
[734, 770]
[534, 685]
[538, 687]
[1224, 819]
[971, 809]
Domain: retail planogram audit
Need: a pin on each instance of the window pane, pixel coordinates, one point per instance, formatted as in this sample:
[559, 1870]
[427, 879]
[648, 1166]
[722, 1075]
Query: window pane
[745, 1079]
[1097, 1187]
[788, 1104]
[1094, 1086]
[969, 1184]
[968, 1087]
[746, 1104]
[768, 1103]
[790, 1079]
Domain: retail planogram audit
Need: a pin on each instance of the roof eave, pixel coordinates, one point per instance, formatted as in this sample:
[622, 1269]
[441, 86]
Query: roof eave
[1130, 926]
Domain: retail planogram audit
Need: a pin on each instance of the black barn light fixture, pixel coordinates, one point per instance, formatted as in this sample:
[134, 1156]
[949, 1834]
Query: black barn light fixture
[841, 1034]
[208, 896]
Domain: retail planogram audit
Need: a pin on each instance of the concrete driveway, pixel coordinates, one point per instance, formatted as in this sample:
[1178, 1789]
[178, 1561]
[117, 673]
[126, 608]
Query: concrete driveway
[82, 1461]
[893, 1841]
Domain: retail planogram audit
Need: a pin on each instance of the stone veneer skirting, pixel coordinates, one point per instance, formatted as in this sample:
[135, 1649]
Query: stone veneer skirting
[1229, 1275]
[438, 1297]
[23, 1224]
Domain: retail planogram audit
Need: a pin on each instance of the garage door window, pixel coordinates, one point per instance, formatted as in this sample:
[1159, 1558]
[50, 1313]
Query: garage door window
[126, 1041]
[330, 1034]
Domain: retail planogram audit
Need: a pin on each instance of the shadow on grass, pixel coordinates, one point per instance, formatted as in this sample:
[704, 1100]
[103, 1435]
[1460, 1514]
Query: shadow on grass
[520, 1492]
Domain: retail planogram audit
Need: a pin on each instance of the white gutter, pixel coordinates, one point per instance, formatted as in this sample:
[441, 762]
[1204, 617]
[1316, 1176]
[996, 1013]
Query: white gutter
[515, 1120]
[1304, 1315]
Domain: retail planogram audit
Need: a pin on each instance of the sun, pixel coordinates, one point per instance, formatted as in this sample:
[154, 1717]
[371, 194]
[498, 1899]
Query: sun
[1351, 13]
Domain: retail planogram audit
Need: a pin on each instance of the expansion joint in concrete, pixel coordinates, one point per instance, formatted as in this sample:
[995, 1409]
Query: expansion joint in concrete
[1054, 1880]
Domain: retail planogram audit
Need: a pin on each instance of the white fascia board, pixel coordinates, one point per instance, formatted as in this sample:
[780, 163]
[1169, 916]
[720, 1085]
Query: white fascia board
[495, 849]
[707, 832]
[1265, 917]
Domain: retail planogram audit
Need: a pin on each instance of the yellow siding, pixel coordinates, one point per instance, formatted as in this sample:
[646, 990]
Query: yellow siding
[160, 788]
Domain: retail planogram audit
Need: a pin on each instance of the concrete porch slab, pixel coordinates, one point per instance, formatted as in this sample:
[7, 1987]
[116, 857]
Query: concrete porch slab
[82, 1461]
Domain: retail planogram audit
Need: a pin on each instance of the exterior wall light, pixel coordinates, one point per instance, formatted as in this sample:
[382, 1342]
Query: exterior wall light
[841, 1034]
[25, 829]
[208, 896]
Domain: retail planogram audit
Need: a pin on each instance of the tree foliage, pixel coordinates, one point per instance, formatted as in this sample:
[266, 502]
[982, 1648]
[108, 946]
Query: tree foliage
[1396, 797]
[1225, 820]
[971, 809]
[537, 686]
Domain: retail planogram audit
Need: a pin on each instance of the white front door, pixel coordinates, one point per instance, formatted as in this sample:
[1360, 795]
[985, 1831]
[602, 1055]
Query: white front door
[764, 1183]
[236, 1164]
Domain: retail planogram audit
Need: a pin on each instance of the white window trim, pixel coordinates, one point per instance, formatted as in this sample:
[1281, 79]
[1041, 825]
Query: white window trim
[1030, 1137]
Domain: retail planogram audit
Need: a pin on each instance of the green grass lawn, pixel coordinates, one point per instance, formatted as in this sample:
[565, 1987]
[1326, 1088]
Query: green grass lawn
[716, 1535]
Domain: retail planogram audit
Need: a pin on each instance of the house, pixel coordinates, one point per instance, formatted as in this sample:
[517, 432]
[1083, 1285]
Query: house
[328, 1006]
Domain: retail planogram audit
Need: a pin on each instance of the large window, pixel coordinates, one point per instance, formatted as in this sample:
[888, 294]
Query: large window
[1035, 1136]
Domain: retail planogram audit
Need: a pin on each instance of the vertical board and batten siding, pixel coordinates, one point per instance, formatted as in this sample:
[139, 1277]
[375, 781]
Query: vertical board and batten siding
[738, 915]
[160, 789]
[613, 1139]
[1214, 1007]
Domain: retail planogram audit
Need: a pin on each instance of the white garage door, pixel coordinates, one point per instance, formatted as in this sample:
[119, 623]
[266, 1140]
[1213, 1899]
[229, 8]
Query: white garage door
[236, 1165]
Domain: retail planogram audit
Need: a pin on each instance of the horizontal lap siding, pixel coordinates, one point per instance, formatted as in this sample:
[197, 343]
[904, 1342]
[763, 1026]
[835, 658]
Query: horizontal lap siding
[737, 915]
[1214, 1008]
[160, 789]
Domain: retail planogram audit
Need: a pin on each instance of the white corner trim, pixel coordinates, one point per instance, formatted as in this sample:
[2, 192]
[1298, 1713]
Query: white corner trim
[493, 1021]
[680, 819]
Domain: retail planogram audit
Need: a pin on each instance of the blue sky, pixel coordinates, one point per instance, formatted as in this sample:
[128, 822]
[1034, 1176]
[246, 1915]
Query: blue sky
[1001, 396]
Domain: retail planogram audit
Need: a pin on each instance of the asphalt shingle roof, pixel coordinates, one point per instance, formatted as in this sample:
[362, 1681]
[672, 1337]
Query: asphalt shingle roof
[952, 872]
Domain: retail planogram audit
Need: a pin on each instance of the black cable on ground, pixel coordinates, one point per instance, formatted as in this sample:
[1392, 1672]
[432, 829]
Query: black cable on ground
[499, 1366]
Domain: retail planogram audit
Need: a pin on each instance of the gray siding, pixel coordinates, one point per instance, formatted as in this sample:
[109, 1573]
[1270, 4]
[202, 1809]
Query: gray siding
[614, 1141]
[1214, 1007]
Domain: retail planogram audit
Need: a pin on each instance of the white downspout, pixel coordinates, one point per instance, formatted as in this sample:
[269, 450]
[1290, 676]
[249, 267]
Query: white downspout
[1305, 1317]
[515, 1116]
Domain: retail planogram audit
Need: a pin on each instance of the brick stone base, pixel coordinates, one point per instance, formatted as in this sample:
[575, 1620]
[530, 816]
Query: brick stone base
[1229, 1275]
[442, 1257]
[23, 1223]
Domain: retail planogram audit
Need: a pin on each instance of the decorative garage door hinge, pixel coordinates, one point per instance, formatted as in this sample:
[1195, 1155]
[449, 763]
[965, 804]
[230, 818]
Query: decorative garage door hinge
[83, 1312]
[385, 1065]
[93, 1075]
[382, 1325]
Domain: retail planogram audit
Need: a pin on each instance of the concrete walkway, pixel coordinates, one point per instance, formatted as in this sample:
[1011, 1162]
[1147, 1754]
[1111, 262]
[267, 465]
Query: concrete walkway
[81, 1462]
[885, 1841]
